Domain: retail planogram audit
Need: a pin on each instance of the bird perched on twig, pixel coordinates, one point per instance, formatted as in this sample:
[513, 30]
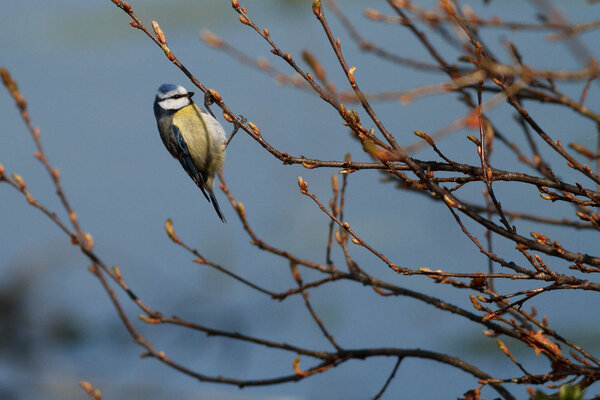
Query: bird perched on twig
[192, 136]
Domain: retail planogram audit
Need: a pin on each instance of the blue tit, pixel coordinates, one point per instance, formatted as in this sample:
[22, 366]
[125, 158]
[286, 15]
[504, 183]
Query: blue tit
[192, 136]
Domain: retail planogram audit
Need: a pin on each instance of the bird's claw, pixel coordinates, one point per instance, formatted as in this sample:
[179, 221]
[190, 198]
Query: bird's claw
[208, 101]
[236, 126]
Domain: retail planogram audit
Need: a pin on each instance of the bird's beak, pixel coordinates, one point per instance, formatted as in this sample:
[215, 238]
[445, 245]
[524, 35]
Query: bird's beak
[190, 94]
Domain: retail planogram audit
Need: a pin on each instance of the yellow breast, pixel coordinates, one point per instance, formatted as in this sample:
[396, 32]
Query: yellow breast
[204, 142]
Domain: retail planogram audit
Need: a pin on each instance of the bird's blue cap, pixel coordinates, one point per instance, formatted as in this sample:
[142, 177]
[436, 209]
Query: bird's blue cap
[165, 87]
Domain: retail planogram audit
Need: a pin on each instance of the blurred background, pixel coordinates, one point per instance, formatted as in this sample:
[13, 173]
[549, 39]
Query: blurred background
[90, 81]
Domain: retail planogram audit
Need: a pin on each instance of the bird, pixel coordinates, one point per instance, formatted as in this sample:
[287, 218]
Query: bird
[192, 136]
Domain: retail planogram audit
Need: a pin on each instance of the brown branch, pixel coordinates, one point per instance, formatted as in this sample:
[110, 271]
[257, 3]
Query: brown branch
[389, 379]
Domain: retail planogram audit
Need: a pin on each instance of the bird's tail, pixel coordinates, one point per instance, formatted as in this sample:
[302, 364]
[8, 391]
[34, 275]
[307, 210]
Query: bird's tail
[215, 204]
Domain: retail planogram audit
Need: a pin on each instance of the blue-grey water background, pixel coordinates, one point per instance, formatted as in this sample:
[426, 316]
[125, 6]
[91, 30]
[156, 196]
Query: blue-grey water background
[90, 80]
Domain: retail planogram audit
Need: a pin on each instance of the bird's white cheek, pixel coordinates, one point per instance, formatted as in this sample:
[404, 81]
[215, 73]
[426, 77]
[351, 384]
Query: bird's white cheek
[174, 104]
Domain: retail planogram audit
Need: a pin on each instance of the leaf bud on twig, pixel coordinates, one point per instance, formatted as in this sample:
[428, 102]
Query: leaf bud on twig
[476, 303]
[450, 201]
[13, 89]
[19, 181]
[372, 14]
[215, 95]
[334, 182]
[351, 75]
[317, 7]
[295, 273]
[474, 140]
[303, 185]
[171, 231]
[227, 117]
[84, 384]
[241, 209]
[296, 365]
[89, 239]
[211, 39]
[425, 137]
[73, 217]
[447, 7]
[159, 33]
[382, 155]
[149, 320]
[254, 128]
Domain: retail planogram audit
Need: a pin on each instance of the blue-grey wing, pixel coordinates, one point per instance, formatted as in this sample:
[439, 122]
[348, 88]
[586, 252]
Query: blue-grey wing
[185, 159]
